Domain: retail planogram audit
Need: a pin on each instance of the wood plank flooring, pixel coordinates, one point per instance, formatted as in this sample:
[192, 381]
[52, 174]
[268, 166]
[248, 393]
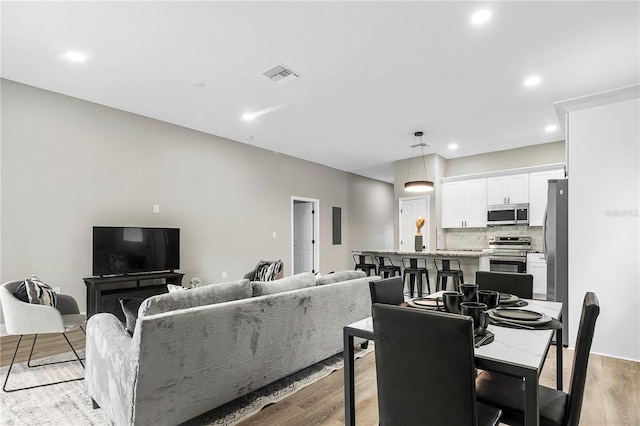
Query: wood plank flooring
[612, 392]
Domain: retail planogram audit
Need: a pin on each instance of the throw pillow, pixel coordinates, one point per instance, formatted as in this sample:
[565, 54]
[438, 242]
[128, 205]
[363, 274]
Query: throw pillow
[261, 270]
[39, 293]
[272, 271]
[21, 293]
[130, 306]
[173, 287]
[294, 282]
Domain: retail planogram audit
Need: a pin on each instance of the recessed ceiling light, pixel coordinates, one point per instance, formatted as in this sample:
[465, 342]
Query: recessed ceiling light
[248, 116]
[75, 56]
[481, 16]
[550, 128]
[453, 146]
[533, 80]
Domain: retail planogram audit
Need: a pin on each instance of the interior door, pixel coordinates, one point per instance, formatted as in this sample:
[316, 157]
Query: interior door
[303, 238]
[410, 210]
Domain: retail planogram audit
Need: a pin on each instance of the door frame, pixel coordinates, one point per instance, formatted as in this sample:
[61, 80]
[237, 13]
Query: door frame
[426, 234]
[316, 231]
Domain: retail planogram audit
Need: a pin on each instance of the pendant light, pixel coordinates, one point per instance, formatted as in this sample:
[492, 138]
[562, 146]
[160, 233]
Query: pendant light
[418, 185]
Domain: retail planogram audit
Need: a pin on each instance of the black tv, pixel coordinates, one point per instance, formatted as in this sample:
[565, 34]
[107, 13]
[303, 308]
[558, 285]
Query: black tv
[127, 250]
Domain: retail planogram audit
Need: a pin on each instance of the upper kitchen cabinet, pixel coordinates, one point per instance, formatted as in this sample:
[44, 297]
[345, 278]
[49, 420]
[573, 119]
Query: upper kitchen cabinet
[464, 204]
[509, 189]
[538, 185]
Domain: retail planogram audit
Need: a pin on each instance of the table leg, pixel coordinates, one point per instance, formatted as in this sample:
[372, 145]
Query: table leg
[349, 381]
[559, 359]
[531, 407]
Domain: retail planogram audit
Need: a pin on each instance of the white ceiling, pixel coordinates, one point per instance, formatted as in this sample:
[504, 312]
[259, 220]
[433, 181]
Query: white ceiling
[372, 72]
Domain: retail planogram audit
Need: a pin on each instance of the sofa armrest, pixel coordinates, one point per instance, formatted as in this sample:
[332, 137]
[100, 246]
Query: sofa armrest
[111, 367]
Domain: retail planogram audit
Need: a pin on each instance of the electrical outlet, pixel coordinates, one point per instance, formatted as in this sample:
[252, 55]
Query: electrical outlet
[224, 274]
[274, 234]
[156, 208]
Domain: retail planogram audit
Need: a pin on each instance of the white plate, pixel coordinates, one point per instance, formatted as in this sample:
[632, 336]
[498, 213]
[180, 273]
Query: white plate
[543, 320]
[424, 303]
[507, 301]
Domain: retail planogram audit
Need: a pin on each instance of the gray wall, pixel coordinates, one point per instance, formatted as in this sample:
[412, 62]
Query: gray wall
[68, 165]
[535, 155]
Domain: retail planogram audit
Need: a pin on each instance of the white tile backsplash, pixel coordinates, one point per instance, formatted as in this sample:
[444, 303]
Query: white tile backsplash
[478, 238]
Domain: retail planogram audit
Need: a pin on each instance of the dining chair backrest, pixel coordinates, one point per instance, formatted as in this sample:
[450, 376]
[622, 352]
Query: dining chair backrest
[363, 259]
[520, 285]
[383, 261]
[387, 290]
[414, 263]
[447, 264]
[424, 366]
[590, 312]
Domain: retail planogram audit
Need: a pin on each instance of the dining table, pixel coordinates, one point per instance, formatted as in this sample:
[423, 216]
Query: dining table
[518, 352]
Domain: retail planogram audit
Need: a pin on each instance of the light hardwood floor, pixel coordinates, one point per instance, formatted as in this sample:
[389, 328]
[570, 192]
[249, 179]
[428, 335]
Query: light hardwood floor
[612, 395]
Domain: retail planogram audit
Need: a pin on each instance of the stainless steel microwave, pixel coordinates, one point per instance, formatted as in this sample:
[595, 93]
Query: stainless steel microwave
[508, 214]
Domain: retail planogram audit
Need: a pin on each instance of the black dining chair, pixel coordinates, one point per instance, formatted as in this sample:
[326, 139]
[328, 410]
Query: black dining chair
[520, 285]
[387, 290]
[442, 393]
[556, 407]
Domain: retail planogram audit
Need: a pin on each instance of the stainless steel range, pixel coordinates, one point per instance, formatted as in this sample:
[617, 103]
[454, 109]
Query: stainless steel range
[508, 254]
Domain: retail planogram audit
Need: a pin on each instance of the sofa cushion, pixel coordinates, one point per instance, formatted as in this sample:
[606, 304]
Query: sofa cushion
[173, 287]
[340, 276]
[130, 306]
[200, 296]
[294, 282]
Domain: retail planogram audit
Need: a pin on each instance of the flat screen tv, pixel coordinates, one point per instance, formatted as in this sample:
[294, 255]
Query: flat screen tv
[126, 250]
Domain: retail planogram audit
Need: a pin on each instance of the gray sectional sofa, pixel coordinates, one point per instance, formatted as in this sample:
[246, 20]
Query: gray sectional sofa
[195, 350]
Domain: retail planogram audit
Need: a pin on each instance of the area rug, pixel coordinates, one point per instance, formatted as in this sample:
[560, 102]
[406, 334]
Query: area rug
[69, 404]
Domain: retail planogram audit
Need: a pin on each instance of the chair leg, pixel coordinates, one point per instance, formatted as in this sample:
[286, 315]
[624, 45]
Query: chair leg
[4, 387]
[426, 274]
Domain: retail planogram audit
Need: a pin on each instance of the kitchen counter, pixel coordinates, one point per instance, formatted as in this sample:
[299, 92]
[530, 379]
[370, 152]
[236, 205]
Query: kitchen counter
[470, 260]
[443, 253]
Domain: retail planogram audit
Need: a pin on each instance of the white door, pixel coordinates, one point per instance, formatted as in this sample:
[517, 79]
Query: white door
[303, 238]
[410, 210]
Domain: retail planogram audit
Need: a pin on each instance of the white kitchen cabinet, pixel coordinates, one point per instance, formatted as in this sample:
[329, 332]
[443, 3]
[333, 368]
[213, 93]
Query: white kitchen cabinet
[508, 189]
[538, 185]
[537, 266]
[464, 204]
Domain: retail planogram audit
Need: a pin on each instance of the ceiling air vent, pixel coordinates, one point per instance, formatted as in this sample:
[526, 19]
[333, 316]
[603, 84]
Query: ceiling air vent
[281, 74]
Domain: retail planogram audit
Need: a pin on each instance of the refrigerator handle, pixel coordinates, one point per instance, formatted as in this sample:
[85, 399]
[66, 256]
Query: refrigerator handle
[544, 235]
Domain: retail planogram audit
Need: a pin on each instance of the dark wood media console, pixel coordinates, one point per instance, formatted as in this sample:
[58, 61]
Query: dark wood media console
[104, 293]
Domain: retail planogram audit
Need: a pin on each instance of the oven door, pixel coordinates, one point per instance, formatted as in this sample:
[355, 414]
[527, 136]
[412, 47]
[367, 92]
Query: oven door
[508, 264]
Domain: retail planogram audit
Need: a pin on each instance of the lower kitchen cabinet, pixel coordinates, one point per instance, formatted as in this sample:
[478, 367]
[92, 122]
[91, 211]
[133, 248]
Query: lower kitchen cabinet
[537, 266]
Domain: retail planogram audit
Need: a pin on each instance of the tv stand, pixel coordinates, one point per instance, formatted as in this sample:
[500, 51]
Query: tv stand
[104, 293]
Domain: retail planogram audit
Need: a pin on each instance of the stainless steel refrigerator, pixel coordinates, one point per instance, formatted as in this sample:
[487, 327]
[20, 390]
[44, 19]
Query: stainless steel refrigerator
[556, 248]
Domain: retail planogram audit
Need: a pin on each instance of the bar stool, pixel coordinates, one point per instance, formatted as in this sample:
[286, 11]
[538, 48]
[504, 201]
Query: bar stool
[415, 267]
[386, 268]
[443, 266]
[365, 263]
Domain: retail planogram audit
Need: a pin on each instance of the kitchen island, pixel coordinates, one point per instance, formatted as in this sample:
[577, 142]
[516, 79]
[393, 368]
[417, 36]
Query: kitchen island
[470, 261]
